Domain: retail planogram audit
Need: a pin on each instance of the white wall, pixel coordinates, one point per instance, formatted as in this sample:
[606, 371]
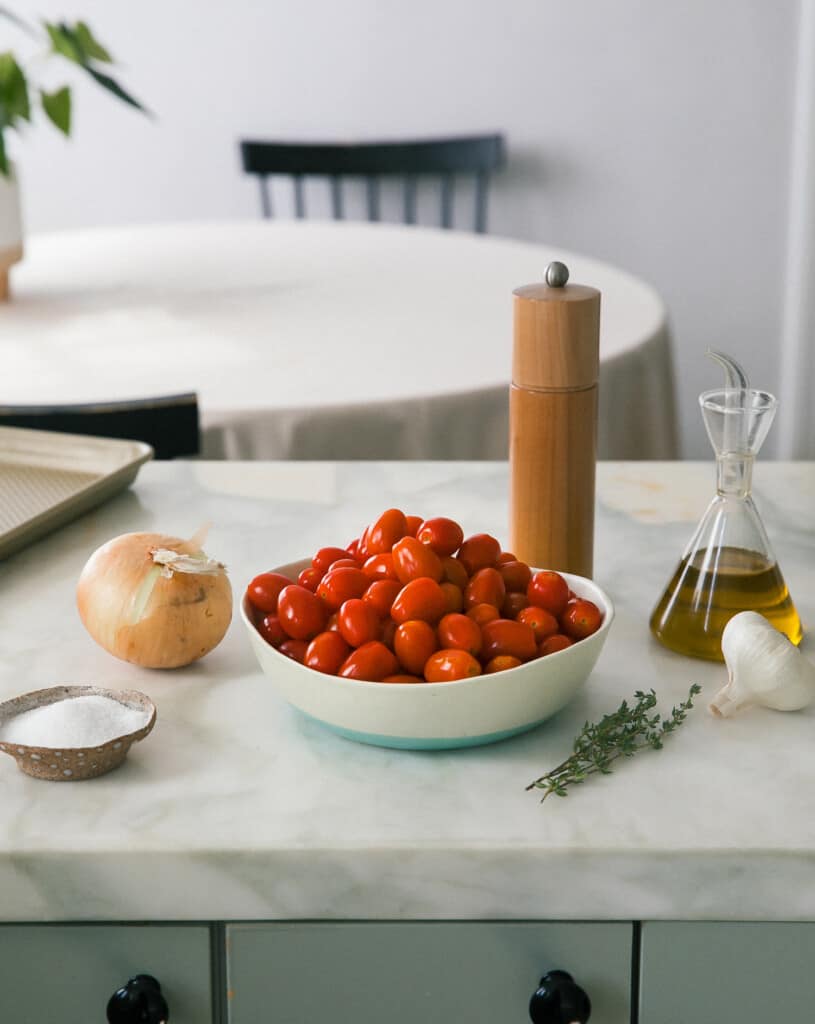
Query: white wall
[652, 134]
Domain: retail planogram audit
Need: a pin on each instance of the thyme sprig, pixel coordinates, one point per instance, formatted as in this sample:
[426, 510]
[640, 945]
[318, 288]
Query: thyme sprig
[619, 734]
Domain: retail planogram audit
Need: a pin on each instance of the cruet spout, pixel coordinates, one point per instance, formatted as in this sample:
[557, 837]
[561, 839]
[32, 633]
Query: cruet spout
[737, 417]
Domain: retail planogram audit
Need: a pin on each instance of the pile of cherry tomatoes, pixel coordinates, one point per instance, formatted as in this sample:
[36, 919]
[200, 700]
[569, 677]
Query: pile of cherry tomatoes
[412, 601]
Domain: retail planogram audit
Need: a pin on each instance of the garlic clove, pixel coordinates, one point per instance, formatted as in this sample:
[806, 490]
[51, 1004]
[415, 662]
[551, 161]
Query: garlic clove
[728, 701]
[764, 669]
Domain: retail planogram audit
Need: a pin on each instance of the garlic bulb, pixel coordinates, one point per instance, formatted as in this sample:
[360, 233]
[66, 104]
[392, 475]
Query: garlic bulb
[764, 668]
[154, 600]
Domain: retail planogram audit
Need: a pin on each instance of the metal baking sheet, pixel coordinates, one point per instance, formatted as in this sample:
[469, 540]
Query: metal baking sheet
[47, 479]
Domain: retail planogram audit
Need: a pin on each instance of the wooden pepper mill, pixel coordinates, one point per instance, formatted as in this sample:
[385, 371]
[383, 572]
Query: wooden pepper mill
[553, 423]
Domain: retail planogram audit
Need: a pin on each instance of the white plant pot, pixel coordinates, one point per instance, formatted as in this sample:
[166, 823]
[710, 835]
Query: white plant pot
[11, 230]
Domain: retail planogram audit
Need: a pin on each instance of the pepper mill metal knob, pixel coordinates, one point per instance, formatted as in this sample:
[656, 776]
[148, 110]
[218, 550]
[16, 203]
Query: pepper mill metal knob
[559, 1000]
[557, 274]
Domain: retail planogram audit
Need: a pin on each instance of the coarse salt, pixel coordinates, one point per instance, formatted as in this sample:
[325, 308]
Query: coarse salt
[76, 722]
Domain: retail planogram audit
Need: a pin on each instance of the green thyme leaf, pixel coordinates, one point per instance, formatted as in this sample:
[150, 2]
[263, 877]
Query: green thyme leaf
[619, 734]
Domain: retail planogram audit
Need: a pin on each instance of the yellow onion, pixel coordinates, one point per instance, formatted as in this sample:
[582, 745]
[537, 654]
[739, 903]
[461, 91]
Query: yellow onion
[154, 600]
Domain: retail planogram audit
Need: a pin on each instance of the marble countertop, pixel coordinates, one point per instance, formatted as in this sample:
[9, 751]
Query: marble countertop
[237, 807]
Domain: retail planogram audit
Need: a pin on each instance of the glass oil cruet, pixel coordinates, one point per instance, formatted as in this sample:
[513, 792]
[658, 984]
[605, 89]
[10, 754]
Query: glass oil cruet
[728, 566]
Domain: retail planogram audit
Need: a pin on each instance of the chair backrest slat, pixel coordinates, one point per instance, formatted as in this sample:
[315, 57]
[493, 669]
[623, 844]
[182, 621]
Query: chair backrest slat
[447, 189]
[409, 196]
[476, 155]
[299, 197]
[265, 196]
[336, 197]
[372, 197]
[482, 182]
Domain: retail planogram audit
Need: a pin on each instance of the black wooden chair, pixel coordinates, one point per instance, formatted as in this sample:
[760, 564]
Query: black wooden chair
[444, 158]
[169, 424]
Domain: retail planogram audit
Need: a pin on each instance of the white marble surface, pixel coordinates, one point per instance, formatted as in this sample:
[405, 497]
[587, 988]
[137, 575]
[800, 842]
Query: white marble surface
[237, 808]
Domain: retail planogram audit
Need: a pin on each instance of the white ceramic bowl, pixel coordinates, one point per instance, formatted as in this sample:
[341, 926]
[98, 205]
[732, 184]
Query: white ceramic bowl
[429, 716]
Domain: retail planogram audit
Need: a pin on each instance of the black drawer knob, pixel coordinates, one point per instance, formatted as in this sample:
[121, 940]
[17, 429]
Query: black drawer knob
[138, 1002]
[559, 1000]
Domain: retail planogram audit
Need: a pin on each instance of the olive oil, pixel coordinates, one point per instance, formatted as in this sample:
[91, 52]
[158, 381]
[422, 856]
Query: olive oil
[709, 588]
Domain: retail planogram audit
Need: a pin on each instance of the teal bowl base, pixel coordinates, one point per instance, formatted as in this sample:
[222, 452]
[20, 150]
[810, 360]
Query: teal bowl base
[419, 743]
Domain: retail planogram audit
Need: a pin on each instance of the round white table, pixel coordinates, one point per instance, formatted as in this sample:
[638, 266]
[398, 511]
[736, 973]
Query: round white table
[318, 340]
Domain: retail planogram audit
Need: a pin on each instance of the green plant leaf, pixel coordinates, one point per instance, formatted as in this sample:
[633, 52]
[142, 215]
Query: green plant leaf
[14, 103]
[89, 45]
[79, 45]
[4, 167]
[57, 105]
[107, 83]
[64, 42]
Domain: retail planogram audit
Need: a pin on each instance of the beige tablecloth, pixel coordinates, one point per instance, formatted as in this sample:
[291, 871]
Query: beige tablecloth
[319, 340]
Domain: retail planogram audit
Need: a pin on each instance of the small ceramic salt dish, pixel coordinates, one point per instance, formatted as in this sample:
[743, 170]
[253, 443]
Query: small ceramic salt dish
[74, 763]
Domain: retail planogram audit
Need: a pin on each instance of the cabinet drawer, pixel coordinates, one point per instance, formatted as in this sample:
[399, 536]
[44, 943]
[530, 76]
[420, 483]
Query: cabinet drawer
[708, 972]
[65, 974]
[404, 973]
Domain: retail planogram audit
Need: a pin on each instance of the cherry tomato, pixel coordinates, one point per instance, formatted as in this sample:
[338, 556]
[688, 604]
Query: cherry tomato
[480, 551]
[580, 619]
[332, 624]
[454, 572]
[514, 603]
[325, 556]
[551, 644]
[384, 532]
[402, 677]
[454, 597]
[413, 560]
[460, 632]
[486, 587]
[445, 666]
[362, 552]
[341, 584]
[380, 567]
[310, 579]
[413, 524]
[516, 575]
[353, 548]
[419, 599]
[443, 535]
[482, 613]
[381, 594]
[501, 662]
[504, 636]
[344, 563]
[414, 641]
[388, 632]
[371, 662]
[543, 623]
[264, 590]
[272, 632]
[326, 652]
[294, 649]
[301, 613]
[359, 623]
[548, 590]
[506, 556]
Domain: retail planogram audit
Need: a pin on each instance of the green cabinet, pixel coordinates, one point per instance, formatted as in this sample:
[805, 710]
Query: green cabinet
[65, 974]
[709, 971]
[406, 972]
[481, 972]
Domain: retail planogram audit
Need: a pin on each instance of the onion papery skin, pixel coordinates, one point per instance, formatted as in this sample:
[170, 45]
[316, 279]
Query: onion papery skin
[184, 618]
